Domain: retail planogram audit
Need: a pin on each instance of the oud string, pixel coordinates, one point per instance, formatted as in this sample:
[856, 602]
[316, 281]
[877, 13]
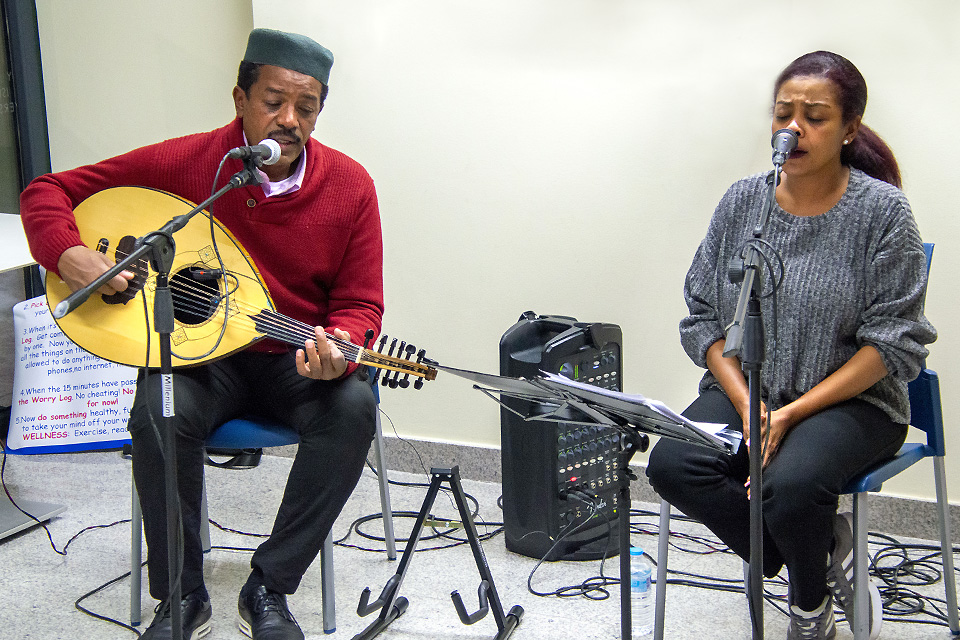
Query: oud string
[196, 297]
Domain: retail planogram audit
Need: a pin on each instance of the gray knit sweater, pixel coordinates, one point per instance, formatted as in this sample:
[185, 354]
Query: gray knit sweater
[854, 276]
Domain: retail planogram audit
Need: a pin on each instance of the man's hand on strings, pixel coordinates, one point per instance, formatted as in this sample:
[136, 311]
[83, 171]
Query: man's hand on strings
[79, 266]
[320, 359]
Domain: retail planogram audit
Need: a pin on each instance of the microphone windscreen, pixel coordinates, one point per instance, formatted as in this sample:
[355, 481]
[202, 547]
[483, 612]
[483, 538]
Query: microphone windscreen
[274, 147]
[785, 140]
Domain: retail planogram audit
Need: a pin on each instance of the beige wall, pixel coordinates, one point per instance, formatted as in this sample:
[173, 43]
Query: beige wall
[120, 74]
[562, 156]
[565, 156]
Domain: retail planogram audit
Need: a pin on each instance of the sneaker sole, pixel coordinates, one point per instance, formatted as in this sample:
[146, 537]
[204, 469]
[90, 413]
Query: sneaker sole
[244, 627]
[201, 631]
[876, 603]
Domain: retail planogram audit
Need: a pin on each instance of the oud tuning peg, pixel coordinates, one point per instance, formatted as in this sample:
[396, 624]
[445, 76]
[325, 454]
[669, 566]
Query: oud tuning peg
[418, 384]
[386, 377]
[408, 351]
[364, 373]
[395, 380]
[383, 343]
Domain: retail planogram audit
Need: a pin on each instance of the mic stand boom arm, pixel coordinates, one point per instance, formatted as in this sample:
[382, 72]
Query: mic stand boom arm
[745, 338]
[159, 245]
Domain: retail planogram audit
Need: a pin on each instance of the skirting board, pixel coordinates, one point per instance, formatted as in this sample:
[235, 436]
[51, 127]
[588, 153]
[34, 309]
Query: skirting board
[888, 514]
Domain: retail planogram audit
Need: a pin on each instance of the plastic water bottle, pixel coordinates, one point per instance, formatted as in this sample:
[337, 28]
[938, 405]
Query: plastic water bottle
[641, 593]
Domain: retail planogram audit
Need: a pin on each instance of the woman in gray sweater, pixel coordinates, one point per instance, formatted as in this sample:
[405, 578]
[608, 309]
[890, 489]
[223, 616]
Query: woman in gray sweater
[850, 334]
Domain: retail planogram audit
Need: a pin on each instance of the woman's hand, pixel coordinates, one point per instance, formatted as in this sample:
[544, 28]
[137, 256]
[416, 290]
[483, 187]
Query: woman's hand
[771, 435]
[780, 424]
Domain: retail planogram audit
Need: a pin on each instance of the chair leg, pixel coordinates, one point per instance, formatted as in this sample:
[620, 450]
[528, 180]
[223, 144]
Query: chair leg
[663, 540]
[136, 554]
[946, 544]
[747, 595]
[861, 578]
[388, 532]
[204, 519]
[327, 586]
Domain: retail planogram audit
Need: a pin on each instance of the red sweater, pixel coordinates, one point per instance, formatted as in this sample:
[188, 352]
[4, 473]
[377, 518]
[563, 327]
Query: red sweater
[319, 249]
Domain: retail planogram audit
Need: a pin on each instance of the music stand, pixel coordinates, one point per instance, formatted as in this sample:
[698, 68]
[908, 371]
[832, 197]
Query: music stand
[633, 416]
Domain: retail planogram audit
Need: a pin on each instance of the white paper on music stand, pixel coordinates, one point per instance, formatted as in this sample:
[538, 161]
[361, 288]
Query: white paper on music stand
[710, 429]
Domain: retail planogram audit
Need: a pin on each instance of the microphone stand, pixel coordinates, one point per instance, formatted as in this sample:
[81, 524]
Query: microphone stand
[745, 338]
[160, 248]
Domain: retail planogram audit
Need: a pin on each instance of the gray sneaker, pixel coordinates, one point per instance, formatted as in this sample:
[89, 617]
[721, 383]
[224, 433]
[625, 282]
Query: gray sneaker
[812, 625]
[840, 575]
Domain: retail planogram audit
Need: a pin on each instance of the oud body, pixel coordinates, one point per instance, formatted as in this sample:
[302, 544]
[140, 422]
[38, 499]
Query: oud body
[221, 304]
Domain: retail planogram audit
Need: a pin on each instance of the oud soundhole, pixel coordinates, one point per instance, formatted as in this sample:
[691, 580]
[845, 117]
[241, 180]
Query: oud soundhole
[196, 294]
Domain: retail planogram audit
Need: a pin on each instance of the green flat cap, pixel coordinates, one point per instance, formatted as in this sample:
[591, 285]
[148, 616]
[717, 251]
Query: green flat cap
[290, 51]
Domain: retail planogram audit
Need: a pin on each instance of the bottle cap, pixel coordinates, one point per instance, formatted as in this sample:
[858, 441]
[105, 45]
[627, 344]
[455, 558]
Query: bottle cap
[636, 551]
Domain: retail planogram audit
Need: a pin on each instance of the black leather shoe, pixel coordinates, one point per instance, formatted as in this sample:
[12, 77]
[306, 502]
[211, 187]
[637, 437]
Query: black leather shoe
[195, 613]
[264, 614]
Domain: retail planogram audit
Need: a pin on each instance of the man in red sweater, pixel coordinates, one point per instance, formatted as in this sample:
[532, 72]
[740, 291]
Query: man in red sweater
[313, 231]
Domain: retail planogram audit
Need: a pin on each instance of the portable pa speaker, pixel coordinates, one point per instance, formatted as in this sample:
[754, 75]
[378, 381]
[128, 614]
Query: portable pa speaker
[543, 460]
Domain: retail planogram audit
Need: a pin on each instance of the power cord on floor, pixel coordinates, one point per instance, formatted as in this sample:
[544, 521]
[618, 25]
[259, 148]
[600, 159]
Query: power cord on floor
[3, 484]
[440, 533]
[897, 567]
[594, 587]
[97, 590]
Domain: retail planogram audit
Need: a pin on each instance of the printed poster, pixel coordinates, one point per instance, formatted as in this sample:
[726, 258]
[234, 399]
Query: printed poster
[64, 398]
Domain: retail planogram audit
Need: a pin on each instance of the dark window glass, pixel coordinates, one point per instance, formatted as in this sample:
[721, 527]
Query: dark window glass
[9, 171]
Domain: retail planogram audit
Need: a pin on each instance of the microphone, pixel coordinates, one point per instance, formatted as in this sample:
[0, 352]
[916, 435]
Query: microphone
[267, 152]
[784, 141]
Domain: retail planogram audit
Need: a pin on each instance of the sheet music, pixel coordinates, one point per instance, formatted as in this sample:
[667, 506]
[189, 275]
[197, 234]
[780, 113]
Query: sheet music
[712, 432]
[578, 403]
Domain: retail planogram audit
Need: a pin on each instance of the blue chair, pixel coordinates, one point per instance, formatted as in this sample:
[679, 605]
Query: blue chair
[253, 433]
[926, 415]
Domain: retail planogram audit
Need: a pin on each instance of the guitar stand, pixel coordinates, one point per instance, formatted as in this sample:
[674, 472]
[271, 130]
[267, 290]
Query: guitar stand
[391, 606]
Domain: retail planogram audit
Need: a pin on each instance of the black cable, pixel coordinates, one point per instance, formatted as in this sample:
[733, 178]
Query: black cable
[761, 247]
[896, 566]
[97, 590]
[438, 532]
[3, 483]
[592, 588]
[146, 374]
